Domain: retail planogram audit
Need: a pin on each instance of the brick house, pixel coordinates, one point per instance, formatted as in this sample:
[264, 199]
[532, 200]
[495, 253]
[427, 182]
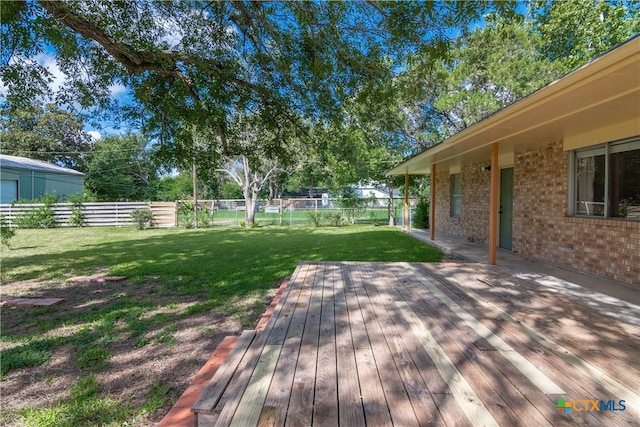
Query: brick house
[554, 176]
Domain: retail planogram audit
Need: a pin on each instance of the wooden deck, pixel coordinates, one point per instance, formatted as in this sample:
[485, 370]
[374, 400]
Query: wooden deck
[382, 344]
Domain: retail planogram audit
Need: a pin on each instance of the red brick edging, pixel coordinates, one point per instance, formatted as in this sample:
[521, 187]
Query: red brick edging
[180, 414]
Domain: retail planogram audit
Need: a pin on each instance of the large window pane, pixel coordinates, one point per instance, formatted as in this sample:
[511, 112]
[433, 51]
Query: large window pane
[590, 179]
[456, 195]
[624, 190]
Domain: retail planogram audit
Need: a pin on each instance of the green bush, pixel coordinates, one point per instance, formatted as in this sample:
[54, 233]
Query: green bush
[186, 221]
[77, 218]
[353, 205]
[421, 214]
[335, 219]
[142, 218]
[6, 232]
[205, 219]
[372, 218]
[42, 217]
[315, 218]
[186, 216]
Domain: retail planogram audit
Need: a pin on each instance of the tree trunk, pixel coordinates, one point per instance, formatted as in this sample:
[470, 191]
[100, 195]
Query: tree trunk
[251, 200]
[250, 214]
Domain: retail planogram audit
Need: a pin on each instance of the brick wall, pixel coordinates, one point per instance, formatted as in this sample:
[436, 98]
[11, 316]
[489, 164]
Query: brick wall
[444, 222]
[476, 185]
[542, 229]
[473, 224]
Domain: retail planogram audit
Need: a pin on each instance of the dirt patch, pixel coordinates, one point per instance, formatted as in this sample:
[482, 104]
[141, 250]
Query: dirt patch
[146, 335]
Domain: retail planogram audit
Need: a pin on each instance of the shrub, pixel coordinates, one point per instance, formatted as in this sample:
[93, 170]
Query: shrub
[186, 221]
[185, 214]
[77, 218]
[372, 218]
[42, 217]
[335, 219]
[6, 232]
[421, 214]
[353, 205]
[187, 218]
[205, 219]
[315, 218]
[142, 217]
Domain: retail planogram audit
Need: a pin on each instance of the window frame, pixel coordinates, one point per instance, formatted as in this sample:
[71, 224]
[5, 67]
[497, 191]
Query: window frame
[606, 149]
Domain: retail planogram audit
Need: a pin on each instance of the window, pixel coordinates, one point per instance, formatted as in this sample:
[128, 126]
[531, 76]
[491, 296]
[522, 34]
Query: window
[456, 195]
[606, 181]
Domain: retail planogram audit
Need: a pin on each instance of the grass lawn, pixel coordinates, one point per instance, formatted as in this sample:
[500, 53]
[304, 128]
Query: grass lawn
[121, 353]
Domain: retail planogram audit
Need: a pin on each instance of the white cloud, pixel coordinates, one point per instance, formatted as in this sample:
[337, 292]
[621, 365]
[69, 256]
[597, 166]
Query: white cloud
[95, 135]
[45, 60]
[49, 62]
[117, 89]
[58, 77]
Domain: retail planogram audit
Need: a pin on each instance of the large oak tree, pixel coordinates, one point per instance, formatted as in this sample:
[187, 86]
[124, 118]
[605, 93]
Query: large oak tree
[201, 63]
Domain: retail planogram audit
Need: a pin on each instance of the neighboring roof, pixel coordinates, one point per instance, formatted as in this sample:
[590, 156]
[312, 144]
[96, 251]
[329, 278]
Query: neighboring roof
[603, 93]
[35, 165]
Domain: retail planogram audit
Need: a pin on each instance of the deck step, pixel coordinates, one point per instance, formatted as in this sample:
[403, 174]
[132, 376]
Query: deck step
[217, 385]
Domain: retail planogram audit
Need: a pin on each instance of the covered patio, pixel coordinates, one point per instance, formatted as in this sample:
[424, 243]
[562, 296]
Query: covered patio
[429, 344]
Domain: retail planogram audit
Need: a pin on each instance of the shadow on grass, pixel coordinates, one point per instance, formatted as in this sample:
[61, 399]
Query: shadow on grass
[218, 257]
[177, 278]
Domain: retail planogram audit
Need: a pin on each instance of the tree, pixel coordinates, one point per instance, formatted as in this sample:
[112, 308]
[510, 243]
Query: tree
[180, 186]
[488, 69]
[251, 177]
[204, 64]
[45, 133]
[120, 168]
[577, 31]
[250, 167]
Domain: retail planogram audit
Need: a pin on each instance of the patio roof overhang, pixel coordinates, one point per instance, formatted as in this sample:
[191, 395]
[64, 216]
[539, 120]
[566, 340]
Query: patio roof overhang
[601, 98]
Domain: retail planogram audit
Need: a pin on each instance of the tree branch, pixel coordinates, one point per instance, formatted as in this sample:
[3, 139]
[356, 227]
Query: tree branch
[163, 61]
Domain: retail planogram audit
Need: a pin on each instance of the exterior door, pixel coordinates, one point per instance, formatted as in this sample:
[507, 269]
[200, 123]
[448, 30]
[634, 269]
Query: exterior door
[506, 207]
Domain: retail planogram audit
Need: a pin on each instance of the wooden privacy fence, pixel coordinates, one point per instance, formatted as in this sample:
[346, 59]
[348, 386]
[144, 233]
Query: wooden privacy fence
[108, 214]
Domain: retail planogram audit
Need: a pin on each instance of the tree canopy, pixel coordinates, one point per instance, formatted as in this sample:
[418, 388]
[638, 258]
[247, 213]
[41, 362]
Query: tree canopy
[120, 168]
[487, 69]
[45, 132]
[577, 31]
[204, 63]
[339, 90]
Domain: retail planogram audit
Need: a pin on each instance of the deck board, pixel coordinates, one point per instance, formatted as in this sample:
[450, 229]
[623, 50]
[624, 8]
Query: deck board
[292, 323]
[350, 410]
[326, 392]
[383, 344]
[300, 411]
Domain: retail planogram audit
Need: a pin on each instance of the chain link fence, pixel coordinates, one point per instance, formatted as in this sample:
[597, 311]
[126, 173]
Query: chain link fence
[293, 212]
